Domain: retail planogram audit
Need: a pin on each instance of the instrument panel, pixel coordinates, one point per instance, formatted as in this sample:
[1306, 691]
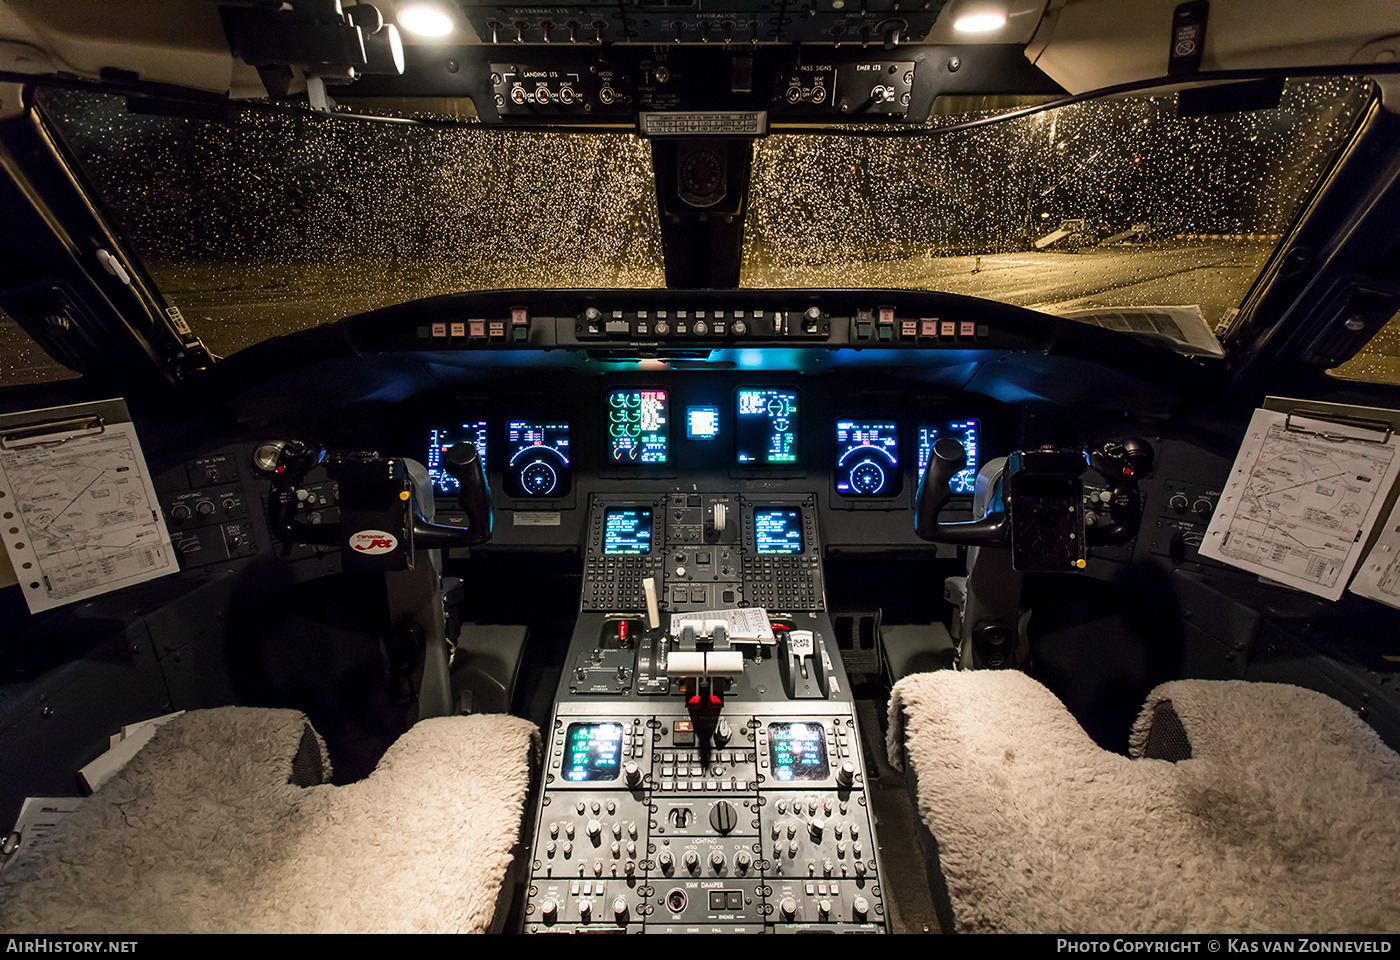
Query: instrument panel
[549, 451]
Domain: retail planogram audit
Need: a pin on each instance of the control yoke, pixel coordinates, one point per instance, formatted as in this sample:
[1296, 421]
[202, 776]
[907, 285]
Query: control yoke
[381, 523]
[1040, 516]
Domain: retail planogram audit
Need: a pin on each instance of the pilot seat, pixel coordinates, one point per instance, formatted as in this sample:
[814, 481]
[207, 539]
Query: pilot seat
[1242, 808]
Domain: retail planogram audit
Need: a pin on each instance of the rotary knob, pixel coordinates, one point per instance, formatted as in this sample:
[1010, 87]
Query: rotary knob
[701, 328]
[723, 816]
[666, 860]
[742, 861]
[691, 860]
[662, 328]
[788, 908]
[846, 775]
[717, 861]
[180, 513]
[739, 328]
[861, 907]
[632, 772]
[825, 908]
[723, 732]
[549, 909]
[620, 908]
[585, 911]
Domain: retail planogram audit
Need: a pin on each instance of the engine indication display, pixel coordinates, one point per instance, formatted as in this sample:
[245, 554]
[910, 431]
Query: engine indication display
[637, 426]
[765, 426]
[797, 751]
[867, 458]
[627, 531]
[442, 439]
[592, 751]
[965, 431]
[539, 459]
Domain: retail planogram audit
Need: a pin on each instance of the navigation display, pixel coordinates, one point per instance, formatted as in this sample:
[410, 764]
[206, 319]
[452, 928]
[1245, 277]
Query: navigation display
[777, 530]
[538, 459]
[637, 426]
[627, 530]
[765, 425]
[441, 439]
[592, 751]
[867, 458]
[797, 751]
[965, 431]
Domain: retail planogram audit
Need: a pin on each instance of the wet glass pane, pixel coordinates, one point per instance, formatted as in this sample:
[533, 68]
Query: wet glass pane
[271, 223]
[22, 361]
[1379, 360]
[1115, 203]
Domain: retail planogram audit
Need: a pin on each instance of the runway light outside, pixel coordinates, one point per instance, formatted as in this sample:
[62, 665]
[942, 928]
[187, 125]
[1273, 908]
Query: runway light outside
[425, 20]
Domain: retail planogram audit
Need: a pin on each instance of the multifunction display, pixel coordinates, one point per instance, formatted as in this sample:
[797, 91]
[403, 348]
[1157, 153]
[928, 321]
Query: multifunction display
[867, 458]
[592, 751]
[538, 464]
[702, 422]
[765, 426]
[637, 426]
[777, 530]
[627, 531]
[797, 751]
[964, 431]
[442, 439]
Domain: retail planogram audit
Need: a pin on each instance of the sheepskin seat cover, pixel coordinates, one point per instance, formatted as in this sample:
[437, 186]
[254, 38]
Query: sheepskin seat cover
[202, 832]
[1286, 817]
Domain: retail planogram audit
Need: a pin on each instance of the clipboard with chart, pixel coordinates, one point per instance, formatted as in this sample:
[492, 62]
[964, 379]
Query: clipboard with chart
[1305, 492]
[78, 511]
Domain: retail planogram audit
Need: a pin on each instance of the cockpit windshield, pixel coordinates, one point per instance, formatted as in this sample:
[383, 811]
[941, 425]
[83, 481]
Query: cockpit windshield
[266, 221]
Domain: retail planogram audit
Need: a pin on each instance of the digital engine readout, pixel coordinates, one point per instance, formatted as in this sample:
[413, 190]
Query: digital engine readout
[592, 751]
[637, 426]
[627, 530]
[965, 431]
[777, 530]
[765, 426]
[797, 751]
[442, 439]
